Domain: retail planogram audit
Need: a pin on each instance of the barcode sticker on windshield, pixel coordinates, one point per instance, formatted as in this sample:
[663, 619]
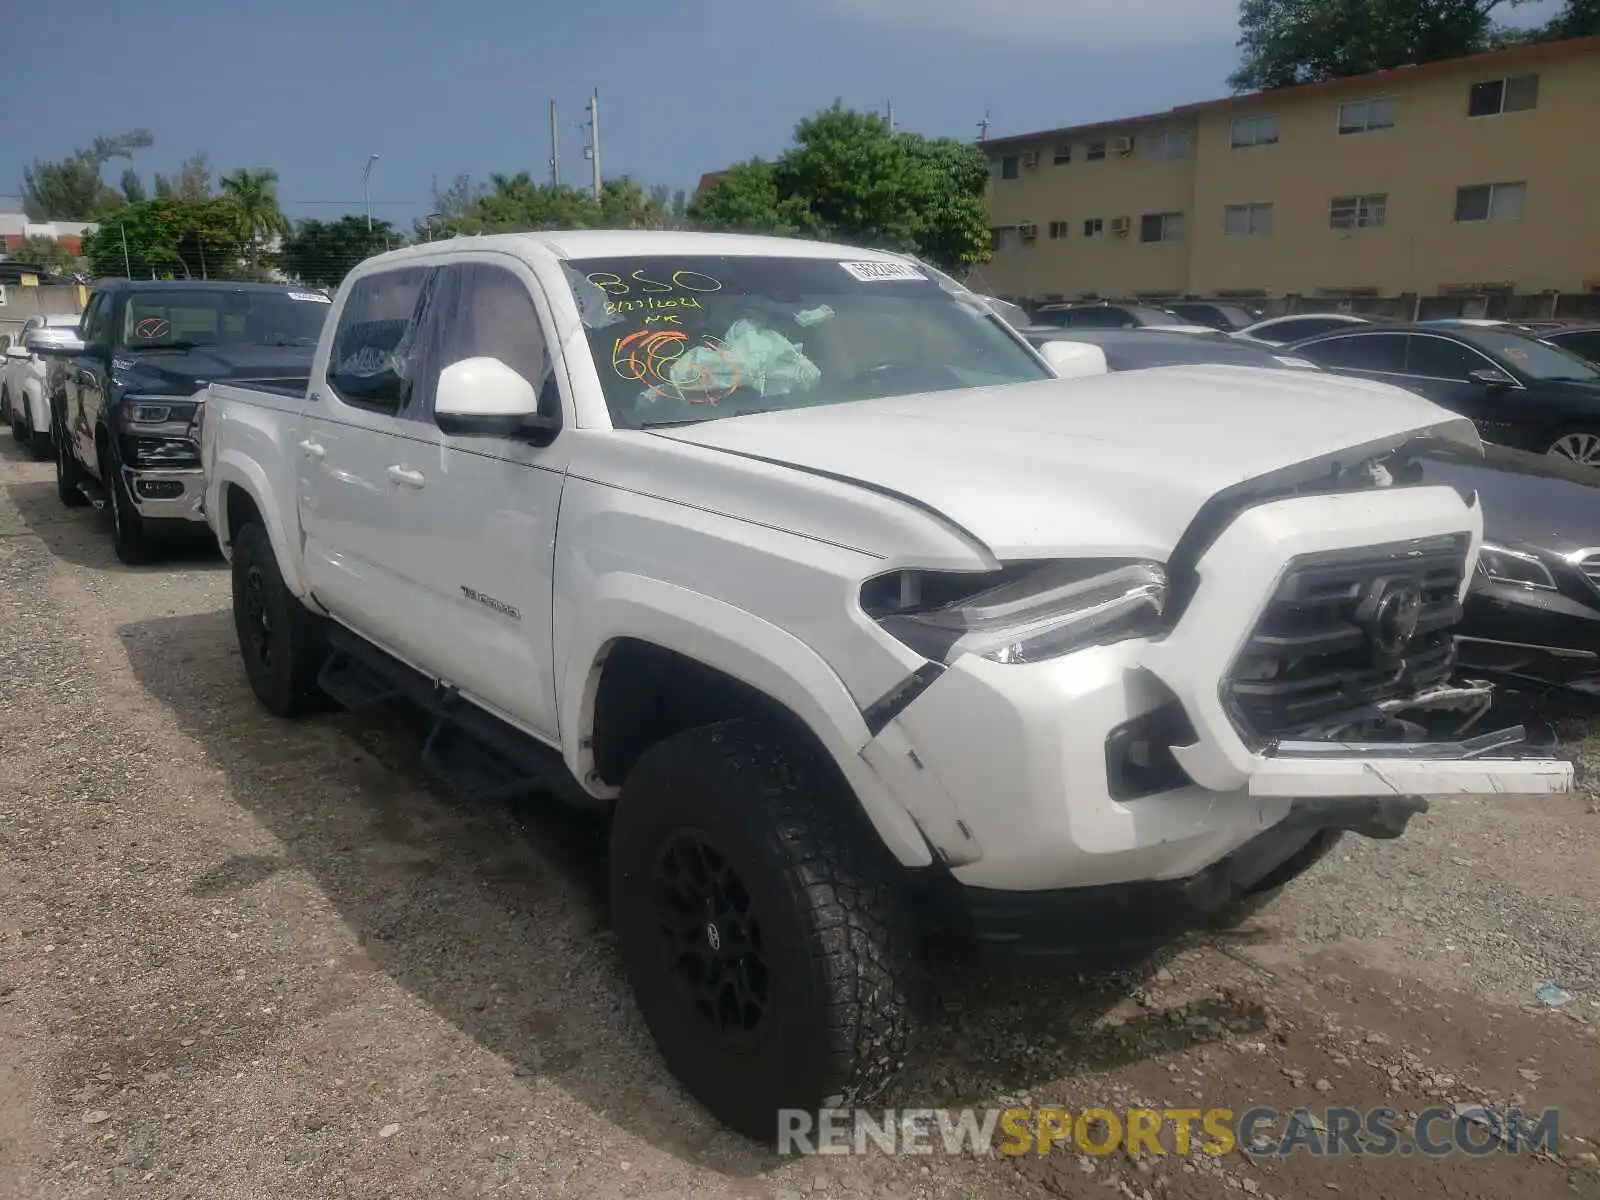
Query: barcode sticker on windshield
[314, 297]
[877, 272]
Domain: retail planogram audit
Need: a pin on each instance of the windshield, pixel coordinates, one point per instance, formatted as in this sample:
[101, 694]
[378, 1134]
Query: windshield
[681, 340]
[221, 316]
[1540, 360]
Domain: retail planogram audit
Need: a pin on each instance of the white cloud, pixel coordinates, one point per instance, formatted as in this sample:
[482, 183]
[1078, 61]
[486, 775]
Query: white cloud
[1055, 24]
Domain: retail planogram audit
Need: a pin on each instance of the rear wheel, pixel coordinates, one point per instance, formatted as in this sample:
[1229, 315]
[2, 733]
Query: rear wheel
[766, 938]
[1580, 443]
[282, 642]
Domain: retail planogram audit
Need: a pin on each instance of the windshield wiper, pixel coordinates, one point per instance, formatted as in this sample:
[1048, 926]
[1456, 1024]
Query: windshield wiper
[166, 346]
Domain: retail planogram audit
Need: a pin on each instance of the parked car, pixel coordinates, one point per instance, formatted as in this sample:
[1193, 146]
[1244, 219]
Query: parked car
[1229, 316]
[1582, 340]
[1518, 390]
[1532, 612]
[24, 392]
[121, 425]
[1140, 349]
[1281, 331]
[802, 561]
[1113, 316]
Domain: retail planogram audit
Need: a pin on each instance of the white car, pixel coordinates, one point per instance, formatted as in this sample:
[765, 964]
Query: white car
[808, 567]
[1281, 331]
[24, 393]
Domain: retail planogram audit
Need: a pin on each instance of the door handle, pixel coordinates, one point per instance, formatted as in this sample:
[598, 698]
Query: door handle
[406, 478]
[314, 449]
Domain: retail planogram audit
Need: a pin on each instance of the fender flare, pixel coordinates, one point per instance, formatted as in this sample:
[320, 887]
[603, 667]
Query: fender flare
[740, 645]
[236, 470]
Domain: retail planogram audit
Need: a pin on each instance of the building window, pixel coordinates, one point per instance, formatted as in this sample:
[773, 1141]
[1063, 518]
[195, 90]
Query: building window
[1003, 238]
[1253, 131]
[1063, 155]
[1097, 150]
[1167, 145]
[1519, 93]
[1058, 230]
[1094, 227]
[1161, 227]
[1008, 167]
[1247, 218]
[1358, 212]
[1491, 202]
[1364, 116]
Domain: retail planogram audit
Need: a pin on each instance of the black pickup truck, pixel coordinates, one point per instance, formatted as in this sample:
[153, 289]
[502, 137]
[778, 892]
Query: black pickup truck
[123, 415]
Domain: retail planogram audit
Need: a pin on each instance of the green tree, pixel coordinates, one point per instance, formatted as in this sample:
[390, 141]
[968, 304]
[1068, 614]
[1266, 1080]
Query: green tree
[511, 203]
[848, 178]
[323, 252]
[252, 193]
[1580, 18]
[667, 206]
[168, 238]
[46, 252]
[72, 188]
[193, 181]
[1284, 42]
[133, 187]
[746, 200]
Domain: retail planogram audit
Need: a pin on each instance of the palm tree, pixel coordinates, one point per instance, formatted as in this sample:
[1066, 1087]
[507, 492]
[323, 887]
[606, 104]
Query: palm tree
[253, 192]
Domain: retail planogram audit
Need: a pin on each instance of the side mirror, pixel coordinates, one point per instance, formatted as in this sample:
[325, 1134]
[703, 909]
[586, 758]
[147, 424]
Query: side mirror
[482, 397]
[17, 352]
[1492, 378]
[1073, 360]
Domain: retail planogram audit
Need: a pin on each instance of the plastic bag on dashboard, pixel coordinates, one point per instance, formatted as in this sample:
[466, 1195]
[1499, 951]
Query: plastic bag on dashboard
[749, 355]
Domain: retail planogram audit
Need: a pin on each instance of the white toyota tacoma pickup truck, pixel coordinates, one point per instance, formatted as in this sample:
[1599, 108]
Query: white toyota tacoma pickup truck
[807, 563]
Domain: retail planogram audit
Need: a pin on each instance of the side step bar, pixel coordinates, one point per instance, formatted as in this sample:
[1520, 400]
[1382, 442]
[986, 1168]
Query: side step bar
[473, 753]
[94, 494]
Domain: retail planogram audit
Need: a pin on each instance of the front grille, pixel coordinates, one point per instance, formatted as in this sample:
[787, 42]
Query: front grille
[1312, 660]
[1588, 561]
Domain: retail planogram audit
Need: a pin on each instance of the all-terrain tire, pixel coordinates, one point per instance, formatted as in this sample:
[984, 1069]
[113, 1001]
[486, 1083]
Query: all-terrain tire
[69, 473]
[130, 531]
[1270, 886]
[836, 975]
[282, 642]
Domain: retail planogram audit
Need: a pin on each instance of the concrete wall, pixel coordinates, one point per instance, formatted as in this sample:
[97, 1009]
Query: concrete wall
[24, 302]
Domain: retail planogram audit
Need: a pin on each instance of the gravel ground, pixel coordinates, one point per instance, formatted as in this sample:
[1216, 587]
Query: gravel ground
[245, 958]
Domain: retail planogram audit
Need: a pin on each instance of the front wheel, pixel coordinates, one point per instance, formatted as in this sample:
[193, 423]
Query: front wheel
[282, 642]
[766, 940]
[130, 531]
[69, 474]
[1579, 443]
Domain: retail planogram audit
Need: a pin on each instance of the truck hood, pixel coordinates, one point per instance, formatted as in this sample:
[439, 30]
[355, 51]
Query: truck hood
[1115, 465]
[180, 372]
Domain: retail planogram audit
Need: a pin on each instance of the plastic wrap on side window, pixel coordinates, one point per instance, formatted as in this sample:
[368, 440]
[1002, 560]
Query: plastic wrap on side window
[591, 299]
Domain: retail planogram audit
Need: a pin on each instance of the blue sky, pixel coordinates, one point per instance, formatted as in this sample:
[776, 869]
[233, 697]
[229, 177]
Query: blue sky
[312, 87]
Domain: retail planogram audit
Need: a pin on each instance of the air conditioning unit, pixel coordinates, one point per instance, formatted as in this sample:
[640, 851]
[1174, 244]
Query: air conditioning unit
[1122, 145]
[1030, 158]
[1121, 226]
[1028, 229]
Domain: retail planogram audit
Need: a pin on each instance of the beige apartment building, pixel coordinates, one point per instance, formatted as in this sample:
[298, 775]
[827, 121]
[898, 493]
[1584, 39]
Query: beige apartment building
[1464, 187]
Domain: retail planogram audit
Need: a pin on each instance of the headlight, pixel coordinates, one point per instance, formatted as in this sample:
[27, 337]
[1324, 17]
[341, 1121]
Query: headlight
[1023, 614]
[1502, 565]
[152, 409]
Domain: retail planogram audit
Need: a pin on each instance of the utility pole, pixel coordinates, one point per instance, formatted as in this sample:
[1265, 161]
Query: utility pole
[891, 118]
[366, 194]
[127, 267]
[983, 128]
[555, 149]
[592, 150]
